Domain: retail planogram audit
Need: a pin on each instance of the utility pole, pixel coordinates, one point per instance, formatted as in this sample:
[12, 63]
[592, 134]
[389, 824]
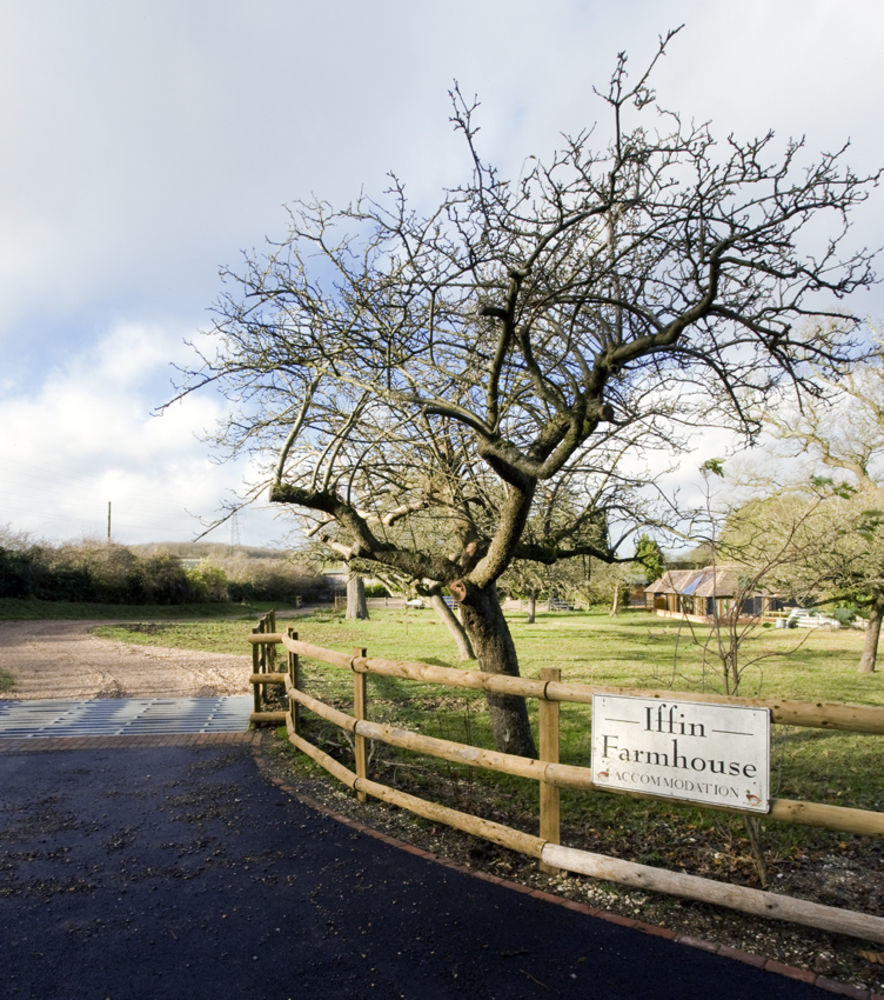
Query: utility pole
[108, 522]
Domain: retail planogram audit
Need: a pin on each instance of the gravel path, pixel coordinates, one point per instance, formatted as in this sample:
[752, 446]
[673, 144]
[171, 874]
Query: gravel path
[60, 659]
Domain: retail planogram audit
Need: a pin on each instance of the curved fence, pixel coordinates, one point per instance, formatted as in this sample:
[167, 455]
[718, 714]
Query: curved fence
[550, 774]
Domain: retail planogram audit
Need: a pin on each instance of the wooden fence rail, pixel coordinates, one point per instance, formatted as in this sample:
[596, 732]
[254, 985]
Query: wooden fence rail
[550, 774]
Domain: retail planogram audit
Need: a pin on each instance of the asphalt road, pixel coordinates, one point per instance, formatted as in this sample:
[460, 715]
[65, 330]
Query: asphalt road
[176, 871]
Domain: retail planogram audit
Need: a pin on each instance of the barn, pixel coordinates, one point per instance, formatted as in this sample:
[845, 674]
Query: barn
[705, 594]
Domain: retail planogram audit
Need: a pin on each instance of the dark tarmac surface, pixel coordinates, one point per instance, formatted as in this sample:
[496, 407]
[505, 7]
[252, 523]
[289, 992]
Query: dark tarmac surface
[180, 871]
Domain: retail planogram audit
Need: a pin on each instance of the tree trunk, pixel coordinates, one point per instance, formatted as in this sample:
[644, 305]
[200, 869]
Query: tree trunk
[357, 606]
[873, 632]
[458, 632]
[488, 630]
[532, 607]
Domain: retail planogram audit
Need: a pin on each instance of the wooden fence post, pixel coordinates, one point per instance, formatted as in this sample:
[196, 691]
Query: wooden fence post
[294, 663]
[256, 662]
[548, 722]
[270, 626]
[359, 710]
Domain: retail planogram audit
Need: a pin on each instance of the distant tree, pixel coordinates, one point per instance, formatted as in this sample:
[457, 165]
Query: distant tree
[254, 577]
[759, 554]
[822, 543]
[163, 580]
[208, 582]
[649, 556]
[541, 566]
[841, 434]
[18, 564]
[112, 570]
[16, 572]
[526, 581]
[528, 335]
[357, 606]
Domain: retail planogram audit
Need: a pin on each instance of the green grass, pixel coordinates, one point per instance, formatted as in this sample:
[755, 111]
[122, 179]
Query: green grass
[31, 609]
[634, 650]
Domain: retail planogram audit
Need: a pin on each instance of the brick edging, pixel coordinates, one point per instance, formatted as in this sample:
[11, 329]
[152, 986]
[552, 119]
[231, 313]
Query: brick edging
[725, 951]
[52, 744]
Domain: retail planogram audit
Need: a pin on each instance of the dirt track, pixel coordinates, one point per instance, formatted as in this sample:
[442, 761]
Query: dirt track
[59, 659]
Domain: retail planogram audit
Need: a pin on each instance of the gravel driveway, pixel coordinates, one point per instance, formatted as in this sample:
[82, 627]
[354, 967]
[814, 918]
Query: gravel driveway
[60, 659]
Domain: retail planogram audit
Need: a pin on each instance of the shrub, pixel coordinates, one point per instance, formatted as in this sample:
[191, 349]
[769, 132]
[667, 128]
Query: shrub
[94, 570]
[845, 614]
[208, 583]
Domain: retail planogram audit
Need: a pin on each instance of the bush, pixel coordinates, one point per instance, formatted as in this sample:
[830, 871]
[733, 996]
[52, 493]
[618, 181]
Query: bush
[845, 614]
[163, 580]
[16, 570]
[101, 571]
[109, 573]
[208, 583]
[269, 579]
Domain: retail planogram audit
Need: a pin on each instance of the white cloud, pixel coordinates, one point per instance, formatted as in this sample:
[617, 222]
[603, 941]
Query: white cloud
[91, 438]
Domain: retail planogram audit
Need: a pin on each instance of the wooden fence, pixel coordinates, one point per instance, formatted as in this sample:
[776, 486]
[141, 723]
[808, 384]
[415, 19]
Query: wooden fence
[263, 657]
[550, 692]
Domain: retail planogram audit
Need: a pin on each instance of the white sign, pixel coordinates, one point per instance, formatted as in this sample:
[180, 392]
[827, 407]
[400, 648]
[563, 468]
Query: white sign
[703, 752]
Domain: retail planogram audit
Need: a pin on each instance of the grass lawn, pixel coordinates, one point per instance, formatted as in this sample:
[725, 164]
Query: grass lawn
[632, 650]
[31, 609]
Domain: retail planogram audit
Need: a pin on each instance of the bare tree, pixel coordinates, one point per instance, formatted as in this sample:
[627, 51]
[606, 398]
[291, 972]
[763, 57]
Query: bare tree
[842, 432]
[410, 367]
[758, 552]
[431, 592]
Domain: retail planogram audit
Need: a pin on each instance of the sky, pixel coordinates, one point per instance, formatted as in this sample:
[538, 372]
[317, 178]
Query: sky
[149, 142]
